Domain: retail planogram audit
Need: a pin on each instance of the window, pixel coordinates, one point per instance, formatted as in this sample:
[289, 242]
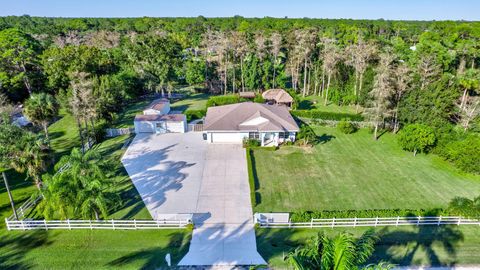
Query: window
[283, 135]
[254, 135]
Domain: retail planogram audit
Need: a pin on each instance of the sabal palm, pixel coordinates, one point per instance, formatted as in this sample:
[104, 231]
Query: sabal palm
[41, 108]
[342, 252]
[31, 158]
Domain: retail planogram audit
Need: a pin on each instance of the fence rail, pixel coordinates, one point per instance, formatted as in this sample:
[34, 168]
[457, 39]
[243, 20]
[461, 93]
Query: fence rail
[95, 224]
[369, 222]
[25, 208]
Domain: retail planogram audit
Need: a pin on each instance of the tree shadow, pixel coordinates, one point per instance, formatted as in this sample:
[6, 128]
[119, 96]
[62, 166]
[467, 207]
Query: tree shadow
[324, 138]
[15, 245]
[403, 247]
[305, 105]
[154, 258]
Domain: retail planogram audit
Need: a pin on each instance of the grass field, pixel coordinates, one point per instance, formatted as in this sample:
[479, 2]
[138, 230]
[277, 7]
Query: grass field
[401, 246]
[317, 103]
[355, 172]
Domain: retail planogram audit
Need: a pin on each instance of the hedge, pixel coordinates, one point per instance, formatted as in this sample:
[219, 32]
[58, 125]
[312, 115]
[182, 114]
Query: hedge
[251, 178]
[307, 216]
[223, 100]
[316, 114]
[194, 114]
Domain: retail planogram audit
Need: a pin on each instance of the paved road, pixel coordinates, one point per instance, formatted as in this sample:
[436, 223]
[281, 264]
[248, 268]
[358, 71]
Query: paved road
[224, 233]
[181, 173]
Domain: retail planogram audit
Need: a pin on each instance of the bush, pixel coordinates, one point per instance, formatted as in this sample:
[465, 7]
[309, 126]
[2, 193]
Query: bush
[306, 135]
[251, 143]
[465, 154]
[259, 99]
[347, 127]
[316, 114]
[417, 138]
[371, 213]
[195, 114]
[223, 100]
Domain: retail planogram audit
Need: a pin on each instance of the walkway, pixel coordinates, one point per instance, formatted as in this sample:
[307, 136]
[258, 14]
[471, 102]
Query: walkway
[224, 233]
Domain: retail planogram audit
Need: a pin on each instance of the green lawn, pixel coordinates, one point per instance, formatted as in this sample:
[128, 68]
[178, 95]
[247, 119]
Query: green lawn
[317, 103]
[424, 245]
[355, 172]
[125, 119]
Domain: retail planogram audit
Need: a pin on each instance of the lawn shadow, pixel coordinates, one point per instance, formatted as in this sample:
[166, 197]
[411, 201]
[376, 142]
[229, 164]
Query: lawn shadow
[400, 247]
[272, 243]
[305, 105]
[324, 138]
[154, 258]
[15, 246]
[256, 183]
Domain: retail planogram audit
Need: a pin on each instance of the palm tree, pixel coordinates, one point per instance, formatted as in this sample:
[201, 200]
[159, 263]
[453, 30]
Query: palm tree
[29, 157]
[338, 253]
[41, 108]
[465, 207]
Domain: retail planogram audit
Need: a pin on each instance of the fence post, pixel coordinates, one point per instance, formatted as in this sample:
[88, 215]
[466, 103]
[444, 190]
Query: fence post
[8, 225]
[45, 223]
[90, 222]
[135, 223]
[376, 221]
[418, 220]
[398, 219]
[311, 223]
[459, 220]
[113, 224]
[68, 222]
[23, 224]
[333, 222]
[439, 220]
[355, 222]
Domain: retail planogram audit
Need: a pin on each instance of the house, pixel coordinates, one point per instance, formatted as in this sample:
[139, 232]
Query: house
[157, 118]
[278, 97]
[270, 124]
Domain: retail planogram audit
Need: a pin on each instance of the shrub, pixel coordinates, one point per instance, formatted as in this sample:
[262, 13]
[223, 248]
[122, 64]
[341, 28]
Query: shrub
[251, 143]
[316, 114]
[223, 100]
[194, 114]
[306, 135]
[417, 138]
[347, 127]
[306, 216]
[259, 99]
[465, 154]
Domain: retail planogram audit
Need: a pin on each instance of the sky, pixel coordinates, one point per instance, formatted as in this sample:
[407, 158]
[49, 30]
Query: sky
[352, 9]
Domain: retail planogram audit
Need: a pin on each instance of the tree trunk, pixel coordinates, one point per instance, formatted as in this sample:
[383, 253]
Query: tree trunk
[415, 152]
[10, 197]
[233, 81]
[226, 75]
[45, 129]
[323, 82]
[26, 81]
[464, 96]
[355, 86]
[97, 217]
[305, 73]
[274, 70]
[375, 131]
[328, 87]
[241, 73]
[82, 141]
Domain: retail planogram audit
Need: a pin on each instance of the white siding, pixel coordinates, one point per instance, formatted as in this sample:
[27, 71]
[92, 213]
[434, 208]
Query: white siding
[176, 127]
[226, 137]
[144, 127]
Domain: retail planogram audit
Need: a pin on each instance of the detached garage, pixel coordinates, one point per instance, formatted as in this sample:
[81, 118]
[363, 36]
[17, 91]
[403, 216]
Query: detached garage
[165, 123]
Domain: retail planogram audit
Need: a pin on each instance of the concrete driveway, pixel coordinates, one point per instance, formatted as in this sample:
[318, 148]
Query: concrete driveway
[167, 170]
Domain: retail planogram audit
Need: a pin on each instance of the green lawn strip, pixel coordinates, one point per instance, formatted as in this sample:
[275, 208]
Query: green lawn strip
[197, 101]
[353, 172]
[317, 103]
[409, 245]
[85, 249]
[63, 134]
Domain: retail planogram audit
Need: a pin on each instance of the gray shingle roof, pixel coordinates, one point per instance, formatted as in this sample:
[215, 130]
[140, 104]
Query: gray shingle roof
[231, 117]
[279, 95]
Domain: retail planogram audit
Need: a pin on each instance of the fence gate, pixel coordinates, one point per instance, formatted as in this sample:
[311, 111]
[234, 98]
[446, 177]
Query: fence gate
[195, 127]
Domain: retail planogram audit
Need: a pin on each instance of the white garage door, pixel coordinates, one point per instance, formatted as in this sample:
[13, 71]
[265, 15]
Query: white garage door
[227, 137]
[144, 127]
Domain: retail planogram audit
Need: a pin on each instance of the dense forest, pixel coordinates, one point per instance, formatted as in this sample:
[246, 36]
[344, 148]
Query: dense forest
[424, 73]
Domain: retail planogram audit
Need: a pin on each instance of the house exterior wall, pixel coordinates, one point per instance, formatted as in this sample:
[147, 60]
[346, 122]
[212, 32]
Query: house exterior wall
[150, 126]
[226, 137]
[176, 127]
[144, 127]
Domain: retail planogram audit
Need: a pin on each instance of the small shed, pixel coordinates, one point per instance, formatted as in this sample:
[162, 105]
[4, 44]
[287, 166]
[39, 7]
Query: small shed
[156, 123]
[278, 96]
[248, 95]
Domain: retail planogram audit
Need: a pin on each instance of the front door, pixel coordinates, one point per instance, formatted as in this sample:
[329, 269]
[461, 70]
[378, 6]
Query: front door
[161, 127]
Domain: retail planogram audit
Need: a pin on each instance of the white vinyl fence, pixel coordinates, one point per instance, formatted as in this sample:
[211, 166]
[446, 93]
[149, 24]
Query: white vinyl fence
[96, 224]
[25, 208]
[115, 132]
[264, 221]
